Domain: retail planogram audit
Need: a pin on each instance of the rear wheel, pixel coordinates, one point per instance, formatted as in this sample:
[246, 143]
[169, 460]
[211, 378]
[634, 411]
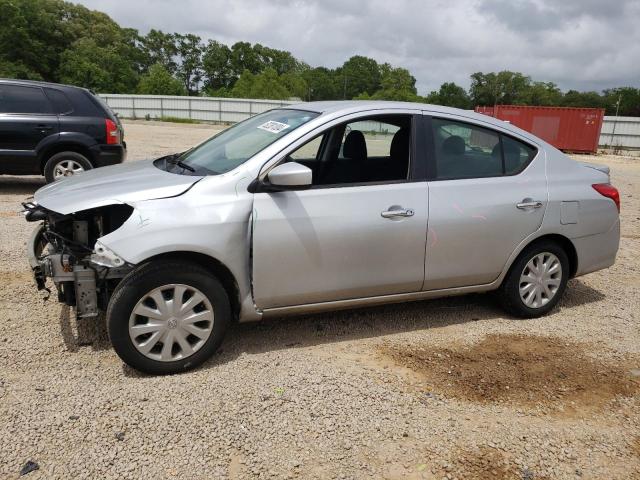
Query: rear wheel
[65, 164]
[536, 281]
[167, 317]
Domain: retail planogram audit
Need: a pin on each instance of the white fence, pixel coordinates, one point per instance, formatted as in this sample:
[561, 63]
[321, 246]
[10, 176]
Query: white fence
[622, 132]
[206, 109]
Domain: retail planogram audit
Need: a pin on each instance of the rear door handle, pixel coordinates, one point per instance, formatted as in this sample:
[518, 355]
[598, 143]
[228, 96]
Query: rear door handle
[44, 127]
[396, 212]
[529, 203]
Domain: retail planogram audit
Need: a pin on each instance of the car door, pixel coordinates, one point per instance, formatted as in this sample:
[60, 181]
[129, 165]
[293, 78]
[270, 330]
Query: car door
[346, 237]
[487, 193]
[26, 118]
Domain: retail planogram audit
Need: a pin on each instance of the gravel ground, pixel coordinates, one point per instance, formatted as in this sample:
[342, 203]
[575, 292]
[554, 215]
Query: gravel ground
[439, 389]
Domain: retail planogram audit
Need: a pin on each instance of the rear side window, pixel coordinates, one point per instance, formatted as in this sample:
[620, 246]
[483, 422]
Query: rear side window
[20, 99]
[464, 150]
[59, 100]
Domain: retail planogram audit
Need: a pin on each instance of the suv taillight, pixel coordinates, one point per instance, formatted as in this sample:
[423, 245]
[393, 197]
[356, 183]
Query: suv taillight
[113, 136]
[609, 191]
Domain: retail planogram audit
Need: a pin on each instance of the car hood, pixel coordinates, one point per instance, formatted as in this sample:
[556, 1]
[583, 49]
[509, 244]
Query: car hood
[124, 183]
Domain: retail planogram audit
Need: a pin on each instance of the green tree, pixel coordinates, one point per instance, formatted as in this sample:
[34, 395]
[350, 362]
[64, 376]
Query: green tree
[266, 84]
[244, 57]
[573, 98]
[321, 84]
[35, 35]
[628, 97]
[450, 95]
[541, 93]
[244, 85]
[216, 66]
[358, 75]
[395, 84]
[158, 81]
[503, 88]
[189, 48]
[99, 68]
[295, 85]
[280, 60]
[159, 48]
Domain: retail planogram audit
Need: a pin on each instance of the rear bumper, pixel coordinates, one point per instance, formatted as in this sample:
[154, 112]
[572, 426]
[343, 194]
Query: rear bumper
[105, 155]
[596, 252]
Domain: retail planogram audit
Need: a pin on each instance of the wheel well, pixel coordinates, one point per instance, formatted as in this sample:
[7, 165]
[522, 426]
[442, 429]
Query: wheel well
[217, 268]
[64, 147]
[567, 246]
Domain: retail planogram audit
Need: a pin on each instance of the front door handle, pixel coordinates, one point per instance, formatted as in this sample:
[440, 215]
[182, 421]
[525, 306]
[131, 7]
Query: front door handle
[529, 203]
[396, 211]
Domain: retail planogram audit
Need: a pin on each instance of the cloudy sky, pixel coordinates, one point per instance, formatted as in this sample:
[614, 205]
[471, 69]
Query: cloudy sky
[581, 44]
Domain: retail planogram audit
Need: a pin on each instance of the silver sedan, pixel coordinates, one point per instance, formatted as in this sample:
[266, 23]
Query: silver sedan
[315, 207]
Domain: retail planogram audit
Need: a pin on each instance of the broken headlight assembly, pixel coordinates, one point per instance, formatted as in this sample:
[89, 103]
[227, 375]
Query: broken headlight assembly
[65, 248]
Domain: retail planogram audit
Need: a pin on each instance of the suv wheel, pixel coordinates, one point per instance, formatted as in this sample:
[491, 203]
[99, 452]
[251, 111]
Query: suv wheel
[167, 317]
[536, 281]
[65, 164]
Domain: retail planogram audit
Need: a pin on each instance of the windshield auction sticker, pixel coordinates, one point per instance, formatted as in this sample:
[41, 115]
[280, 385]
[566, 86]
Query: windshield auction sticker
[273, 126]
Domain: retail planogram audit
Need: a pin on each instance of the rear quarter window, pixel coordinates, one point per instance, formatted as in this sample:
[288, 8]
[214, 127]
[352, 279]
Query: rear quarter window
[517, 155]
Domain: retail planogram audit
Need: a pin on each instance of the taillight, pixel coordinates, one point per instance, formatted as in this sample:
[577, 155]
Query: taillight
[113, 136]
[609, 191]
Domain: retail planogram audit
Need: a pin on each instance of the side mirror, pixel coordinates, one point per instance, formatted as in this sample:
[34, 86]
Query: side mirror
[289, 176]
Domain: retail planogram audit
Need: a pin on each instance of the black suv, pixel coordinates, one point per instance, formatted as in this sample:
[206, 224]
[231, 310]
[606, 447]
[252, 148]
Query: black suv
[55, 130]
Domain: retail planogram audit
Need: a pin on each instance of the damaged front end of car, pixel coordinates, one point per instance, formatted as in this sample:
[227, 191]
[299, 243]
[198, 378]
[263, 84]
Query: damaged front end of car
[66, 249]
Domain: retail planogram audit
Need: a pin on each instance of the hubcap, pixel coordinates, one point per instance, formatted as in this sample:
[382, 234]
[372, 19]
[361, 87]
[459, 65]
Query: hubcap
[67, 168]
[540, 280]
[171, 322]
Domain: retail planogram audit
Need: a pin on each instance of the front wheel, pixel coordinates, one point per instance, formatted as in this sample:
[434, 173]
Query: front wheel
[536, 281]
[167, 317]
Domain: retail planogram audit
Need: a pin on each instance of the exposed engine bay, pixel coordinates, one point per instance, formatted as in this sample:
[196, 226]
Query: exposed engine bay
[66, 249]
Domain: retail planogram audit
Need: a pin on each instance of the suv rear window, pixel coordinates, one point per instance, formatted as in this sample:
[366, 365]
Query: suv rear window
[19, 99]
[61, 103]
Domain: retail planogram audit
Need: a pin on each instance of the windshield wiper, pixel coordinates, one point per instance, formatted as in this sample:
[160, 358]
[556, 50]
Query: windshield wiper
[181, 164]
[175, 160]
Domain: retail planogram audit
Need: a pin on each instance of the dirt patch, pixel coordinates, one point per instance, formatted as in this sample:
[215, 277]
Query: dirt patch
[635, 446]
[12, 278]
[525, 370]
[483, 463]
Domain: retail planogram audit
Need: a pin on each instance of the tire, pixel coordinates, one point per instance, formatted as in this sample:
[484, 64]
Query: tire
[72, 162]
[510, 291]
[167, 277]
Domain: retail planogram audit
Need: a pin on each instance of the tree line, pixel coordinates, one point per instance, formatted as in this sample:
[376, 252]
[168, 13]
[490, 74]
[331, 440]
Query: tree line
[59, 41]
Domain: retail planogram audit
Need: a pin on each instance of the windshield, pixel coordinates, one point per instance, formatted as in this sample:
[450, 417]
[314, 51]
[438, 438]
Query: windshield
[235, 145]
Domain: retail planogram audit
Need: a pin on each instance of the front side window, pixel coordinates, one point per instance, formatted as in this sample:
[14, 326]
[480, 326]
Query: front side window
[464, 150]
[19, 99]
[371, 150]
[235, 145]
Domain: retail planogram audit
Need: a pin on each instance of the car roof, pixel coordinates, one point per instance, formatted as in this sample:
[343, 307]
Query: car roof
[345, 107]
[38, 83]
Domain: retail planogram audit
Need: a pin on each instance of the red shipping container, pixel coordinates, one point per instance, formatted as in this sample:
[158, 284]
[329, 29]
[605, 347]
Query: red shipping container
[566, 128]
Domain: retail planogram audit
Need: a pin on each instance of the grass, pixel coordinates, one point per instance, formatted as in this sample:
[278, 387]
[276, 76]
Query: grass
[177, 120]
